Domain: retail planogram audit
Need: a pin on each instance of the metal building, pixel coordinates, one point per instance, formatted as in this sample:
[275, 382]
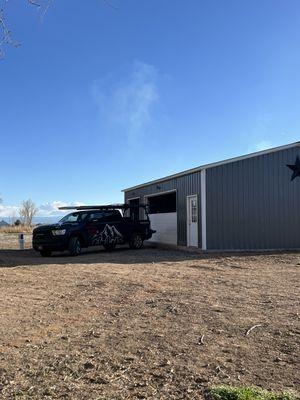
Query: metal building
[244, 203]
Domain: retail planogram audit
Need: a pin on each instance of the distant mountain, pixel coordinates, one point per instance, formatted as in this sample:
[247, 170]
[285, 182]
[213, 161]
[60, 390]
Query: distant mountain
[3, 223]
[36, 220]
[47, 220]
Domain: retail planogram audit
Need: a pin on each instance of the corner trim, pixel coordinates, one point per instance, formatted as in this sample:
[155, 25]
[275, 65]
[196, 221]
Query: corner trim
[203, 209]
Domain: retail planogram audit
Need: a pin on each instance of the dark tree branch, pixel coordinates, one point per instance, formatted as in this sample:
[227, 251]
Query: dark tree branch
[108, 3]
[6, 38]
[34, 3]
[5, 35]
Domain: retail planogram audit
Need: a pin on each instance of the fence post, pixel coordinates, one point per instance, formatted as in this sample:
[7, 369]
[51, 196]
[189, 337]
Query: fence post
[21, 241]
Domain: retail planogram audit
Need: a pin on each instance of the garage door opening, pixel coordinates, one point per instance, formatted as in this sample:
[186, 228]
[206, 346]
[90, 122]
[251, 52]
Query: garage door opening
[163, 203]
[163, 217]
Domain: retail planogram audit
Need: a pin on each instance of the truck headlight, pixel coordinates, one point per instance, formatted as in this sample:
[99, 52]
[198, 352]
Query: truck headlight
[59, 232]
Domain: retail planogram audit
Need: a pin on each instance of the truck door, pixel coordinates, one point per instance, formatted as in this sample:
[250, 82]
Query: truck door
[94, 227]
[105, 228]
[114, 228]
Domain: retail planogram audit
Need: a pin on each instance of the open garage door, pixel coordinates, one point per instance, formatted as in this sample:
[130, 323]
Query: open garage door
[163, 217]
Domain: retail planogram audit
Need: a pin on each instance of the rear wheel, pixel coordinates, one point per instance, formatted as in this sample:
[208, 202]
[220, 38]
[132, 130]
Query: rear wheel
[45, 253]
[75, 246]
[109, 246]
[136, 242]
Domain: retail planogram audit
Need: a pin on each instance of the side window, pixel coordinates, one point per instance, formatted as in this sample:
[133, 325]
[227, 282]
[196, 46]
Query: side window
[113, 216]
[105, 216]
[194, 211]
[96, 216]
[82, 217]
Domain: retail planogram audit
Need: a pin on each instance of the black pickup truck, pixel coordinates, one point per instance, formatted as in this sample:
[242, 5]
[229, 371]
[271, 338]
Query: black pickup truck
[93, 226]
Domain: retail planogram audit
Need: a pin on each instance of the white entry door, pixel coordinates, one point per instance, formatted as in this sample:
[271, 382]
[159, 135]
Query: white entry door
[192, 221]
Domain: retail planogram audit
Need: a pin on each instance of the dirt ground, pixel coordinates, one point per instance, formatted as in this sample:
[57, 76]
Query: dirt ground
[148, 324]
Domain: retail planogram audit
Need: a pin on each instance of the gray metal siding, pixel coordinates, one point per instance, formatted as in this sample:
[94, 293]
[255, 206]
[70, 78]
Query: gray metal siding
[252, 203]
[185, 186]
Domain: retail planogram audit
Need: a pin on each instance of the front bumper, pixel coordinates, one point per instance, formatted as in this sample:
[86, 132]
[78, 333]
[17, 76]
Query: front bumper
[52, 244]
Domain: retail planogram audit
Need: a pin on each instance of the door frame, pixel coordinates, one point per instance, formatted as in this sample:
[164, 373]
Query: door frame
[187, 219]
[133, 198]
[161, 193]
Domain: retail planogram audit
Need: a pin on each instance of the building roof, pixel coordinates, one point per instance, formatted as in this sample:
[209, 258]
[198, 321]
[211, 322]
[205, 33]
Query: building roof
[215, 164]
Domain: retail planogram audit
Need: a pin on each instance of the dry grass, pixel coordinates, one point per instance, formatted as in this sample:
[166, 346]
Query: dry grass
[16, 229]
[149, 324]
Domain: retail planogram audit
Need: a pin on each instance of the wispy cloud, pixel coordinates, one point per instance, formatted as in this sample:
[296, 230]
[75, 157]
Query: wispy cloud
[280, 139]
[261, 145]
[266, 133]
[127, 104]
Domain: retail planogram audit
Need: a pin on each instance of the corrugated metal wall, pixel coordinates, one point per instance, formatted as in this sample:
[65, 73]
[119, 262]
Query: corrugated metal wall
[252, 204]
[185, 186]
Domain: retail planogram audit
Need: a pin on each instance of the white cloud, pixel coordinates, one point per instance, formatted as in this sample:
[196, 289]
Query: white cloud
[44, 210]
[8, 211]
[51, 209]
[280, 140]
[127, 104]
[261, 145]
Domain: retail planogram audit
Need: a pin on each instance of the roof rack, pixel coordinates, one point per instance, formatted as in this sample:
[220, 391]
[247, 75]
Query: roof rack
[103, 207]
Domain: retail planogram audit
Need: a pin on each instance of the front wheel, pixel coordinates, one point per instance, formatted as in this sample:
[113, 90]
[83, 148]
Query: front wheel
[45, 253]
[136, 242]
[75, 246]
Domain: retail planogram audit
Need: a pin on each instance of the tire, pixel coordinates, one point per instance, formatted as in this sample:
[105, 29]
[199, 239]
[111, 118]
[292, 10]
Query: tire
[75, 246]
[45, 253]
[109, 247]
[136, 241]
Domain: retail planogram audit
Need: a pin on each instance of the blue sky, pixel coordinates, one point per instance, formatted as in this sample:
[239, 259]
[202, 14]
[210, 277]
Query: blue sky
[99, 98]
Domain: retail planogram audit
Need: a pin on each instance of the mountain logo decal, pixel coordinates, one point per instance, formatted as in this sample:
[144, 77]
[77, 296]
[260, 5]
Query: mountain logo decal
[109, 235]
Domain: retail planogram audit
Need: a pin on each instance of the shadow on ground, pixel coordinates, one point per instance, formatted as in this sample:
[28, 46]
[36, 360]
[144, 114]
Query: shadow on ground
[122, 255]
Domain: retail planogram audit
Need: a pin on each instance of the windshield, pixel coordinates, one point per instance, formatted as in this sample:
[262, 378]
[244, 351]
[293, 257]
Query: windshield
[74, 217]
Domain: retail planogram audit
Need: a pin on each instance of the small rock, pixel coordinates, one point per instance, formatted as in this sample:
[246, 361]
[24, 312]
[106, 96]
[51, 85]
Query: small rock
[88, 365]
[98, 381]
[200, 380]
[165, 363]
[172, 309]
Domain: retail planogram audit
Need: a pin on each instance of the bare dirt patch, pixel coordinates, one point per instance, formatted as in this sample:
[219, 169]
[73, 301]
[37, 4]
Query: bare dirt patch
[149, 324]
